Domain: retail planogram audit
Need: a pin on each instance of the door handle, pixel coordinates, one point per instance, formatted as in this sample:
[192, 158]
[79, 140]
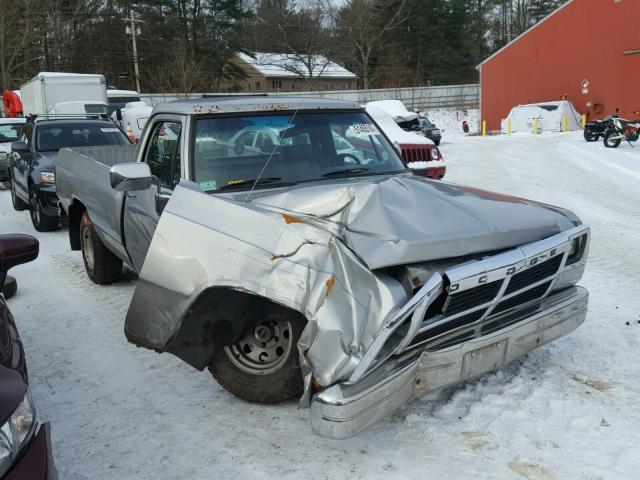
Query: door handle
[130, 195]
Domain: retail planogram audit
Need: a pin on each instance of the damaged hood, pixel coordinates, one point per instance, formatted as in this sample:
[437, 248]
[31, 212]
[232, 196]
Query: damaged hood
[401, 219]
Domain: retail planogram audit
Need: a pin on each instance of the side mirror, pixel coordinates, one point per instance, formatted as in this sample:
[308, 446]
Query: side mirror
[19, 147]
[130, 177]
[119, 114]
[17, 249]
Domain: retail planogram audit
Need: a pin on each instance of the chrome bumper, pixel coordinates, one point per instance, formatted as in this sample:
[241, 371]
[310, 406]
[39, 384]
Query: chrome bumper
[347, 408]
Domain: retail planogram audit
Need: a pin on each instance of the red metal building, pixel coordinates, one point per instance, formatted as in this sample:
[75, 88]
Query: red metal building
[587, 50]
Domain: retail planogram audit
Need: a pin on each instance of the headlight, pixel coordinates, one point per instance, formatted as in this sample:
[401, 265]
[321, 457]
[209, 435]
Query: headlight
[435, 154]
[48, 177]
[435, 132]
[16, 432]
[3, 155]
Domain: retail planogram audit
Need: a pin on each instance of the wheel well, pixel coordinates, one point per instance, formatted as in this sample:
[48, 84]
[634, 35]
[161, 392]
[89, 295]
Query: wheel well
[76, 209]
[220, 316]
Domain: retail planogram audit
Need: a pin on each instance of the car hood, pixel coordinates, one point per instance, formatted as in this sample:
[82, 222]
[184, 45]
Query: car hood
[11, 393]
[400, 219]
[44, 161]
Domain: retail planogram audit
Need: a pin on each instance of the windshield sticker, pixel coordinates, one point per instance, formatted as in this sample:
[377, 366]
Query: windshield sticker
[209, 185]
[109, 130]
[364, 129]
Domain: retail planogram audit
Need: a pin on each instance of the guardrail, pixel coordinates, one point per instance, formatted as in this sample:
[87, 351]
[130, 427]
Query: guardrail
[457, 96]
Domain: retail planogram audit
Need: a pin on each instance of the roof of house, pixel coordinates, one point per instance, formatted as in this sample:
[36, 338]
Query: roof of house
[524, 33]
[286, 65]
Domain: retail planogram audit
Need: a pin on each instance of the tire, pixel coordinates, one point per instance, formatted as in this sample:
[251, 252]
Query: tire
[18, 204]
[101, 264]
[590, 135]
[41, 221]
[238, 371]
[611, 143]
[10, 287]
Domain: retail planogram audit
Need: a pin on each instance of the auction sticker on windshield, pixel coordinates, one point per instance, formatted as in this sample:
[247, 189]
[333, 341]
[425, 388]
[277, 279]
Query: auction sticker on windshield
[364, 129]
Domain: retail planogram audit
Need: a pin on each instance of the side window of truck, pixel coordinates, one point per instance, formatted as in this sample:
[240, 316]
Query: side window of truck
[26, 134]
[163, 153]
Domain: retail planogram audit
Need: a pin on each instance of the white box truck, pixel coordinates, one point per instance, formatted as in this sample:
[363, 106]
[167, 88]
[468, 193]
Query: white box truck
[58, 92]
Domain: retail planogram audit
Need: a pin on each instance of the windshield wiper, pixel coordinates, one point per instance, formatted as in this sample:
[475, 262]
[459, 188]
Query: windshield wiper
[248, 183]
[345, 172]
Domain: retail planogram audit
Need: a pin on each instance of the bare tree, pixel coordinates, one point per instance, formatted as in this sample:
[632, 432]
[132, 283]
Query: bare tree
[182, 72]
[18, 38]
[363, 23]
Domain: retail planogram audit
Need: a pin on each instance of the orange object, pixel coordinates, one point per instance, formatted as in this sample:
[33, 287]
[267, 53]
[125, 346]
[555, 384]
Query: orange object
[12, 104]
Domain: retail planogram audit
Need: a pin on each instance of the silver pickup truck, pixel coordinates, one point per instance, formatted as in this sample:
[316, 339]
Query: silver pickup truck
[283, 244]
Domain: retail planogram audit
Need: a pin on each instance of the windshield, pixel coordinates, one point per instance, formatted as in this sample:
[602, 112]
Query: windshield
[233, 152]
[10, 132]
[55, 137]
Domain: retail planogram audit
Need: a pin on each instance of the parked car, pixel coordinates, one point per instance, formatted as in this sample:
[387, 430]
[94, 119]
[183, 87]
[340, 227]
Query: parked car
[419, 153]
[118, 99]
[31, 166]
[9, 132]
[25, 445]
[297, 273]
[429, 129]
[409, 121]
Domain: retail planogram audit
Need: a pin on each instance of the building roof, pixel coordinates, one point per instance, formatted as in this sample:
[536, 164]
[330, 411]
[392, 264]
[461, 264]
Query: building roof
[524, 33]
[286, 65]
[251, 103]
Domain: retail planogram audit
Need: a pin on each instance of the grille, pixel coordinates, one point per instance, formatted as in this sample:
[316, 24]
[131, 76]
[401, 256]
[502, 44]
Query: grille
[467, 299]
[524, 297]
[447, 326]
[534, 274]
[509, 318]
[416, 155]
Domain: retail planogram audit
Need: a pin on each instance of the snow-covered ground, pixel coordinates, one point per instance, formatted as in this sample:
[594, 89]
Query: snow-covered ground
[567, 411]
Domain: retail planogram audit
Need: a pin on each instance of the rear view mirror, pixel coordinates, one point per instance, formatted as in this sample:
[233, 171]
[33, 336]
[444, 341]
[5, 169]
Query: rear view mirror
[16, 249]
[19, 147]
[130, 177]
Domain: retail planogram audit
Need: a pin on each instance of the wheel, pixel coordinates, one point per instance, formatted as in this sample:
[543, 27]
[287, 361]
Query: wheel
[101, 264]
[18, 204]
[611, 143]
[263, 367]
[10, 287]
[41, 221]
[590, 135]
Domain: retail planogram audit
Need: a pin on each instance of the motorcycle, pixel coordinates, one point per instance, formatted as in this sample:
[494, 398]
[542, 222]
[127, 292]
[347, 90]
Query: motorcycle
[596, 129]
[619, 130]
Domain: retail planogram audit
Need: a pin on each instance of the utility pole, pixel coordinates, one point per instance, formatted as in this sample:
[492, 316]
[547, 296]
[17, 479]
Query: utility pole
[134, 30]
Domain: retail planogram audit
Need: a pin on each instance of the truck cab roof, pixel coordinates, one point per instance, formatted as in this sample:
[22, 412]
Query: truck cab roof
[250, 104]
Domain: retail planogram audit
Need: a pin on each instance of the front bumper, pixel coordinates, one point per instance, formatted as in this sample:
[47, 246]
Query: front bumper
[48, 199]
[345, 409]
[36, 462]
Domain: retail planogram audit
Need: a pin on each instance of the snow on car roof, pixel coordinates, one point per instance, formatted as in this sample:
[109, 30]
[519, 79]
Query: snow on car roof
[7, 120]
[287, 65]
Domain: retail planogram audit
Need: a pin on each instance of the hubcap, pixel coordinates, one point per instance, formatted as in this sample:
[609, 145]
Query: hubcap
[87, 248]
[264, 349]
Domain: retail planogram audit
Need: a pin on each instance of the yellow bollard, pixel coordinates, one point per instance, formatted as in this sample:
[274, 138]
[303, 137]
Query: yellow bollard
[584, 120]
[535, 126]
[564, 122]
[484, 128]
[509, 126]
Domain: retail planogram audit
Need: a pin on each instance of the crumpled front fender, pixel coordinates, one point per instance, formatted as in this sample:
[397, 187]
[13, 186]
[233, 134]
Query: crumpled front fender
[204, 241]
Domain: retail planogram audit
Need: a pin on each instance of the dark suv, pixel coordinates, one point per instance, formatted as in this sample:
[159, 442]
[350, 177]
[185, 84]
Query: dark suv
[25, 446]
[31, 166]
